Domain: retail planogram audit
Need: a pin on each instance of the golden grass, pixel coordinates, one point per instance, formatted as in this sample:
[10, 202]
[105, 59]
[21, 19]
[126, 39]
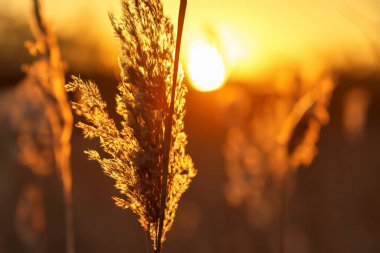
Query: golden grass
[39, 114]
[146, 155]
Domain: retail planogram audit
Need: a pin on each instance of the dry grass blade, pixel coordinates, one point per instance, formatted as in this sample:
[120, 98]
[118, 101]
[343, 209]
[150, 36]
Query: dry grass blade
[169, 123]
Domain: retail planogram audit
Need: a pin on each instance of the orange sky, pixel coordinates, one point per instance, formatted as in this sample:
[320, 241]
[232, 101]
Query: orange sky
[254, 36]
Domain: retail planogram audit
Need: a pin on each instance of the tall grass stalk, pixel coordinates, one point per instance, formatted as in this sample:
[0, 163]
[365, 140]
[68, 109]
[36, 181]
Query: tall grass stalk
[58, 113]
[146, 151]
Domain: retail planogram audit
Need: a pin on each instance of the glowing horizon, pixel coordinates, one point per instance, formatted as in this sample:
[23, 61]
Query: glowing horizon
[255, 38]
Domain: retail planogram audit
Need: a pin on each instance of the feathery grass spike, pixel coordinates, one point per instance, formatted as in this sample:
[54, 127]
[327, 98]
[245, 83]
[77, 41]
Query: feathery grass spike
[151, 168]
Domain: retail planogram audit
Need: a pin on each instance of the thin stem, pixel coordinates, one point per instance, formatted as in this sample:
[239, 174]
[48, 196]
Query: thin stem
[59, 115]
[169, 125]
[41, 25]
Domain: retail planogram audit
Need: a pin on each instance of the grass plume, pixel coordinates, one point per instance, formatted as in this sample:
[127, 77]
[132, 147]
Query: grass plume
[279, 136]
[48, 74]
[146, 152]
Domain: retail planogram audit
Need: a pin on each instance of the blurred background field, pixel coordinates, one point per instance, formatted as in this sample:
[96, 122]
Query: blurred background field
[272, 54]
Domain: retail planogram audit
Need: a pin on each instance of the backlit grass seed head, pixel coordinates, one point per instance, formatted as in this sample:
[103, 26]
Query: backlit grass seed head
[136, 150]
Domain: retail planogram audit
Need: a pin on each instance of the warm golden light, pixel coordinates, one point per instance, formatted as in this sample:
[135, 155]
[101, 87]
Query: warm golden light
[206, 68]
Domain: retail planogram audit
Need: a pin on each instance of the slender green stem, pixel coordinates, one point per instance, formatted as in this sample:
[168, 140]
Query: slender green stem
[169, 125]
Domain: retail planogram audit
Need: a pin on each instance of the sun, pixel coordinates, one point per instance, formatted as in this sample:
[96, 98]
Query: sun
[206, 68]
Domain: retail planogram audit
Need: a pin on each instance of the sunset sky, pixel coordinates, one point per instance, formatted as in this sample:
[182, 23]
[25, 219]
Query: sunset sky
[278, 112]
[253, 37]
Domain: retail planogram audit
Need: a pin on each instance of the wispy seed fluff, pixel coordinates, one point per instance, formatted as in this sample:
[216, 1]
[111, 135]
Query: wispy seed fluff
[136, 148]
